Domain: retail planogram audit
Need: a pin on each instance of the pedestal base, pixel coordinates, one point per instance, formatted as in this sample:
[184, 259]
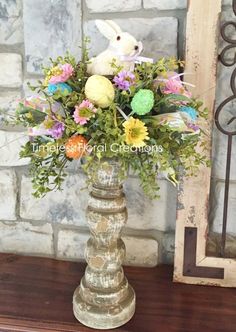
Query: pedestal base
[102, 316]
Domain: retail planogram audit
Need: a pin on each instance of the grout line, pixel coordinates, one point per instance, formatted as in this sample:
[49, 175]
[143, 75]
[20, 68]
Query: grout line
[141, 13]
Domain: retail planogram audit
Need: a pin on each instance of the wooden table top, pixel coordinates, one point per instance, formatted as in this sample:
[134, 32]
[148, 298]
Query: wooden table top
[36, 296]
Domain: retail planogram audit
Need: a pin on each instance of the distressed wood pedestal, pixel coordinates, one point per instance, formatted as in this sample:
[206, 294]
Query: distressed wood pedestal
[104, 299]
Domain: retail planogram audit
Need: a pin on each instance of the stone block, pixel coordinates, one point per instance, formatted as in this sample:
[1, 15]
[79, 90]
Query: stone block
[159, 35]
[10, 70]
[50, 29]
[227, 15]
[227, 2]
[9, 101]
[8, 192]
[11, 25]
[27, 91]
[219, 155]
[71, 244]
[144, 213]
[10, 145]
[141, 251]
[165, 5]
[220, 140]
[223, 91]
[216, 212]
[214, 245]
[24, 238]
[168, 248]
[66, 207]
[104, 6]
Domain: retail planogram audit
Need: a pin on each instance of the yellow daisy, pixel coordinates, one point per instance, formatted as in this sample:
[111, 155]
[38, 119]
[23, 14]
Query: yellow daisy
[135, 132]
[55, 71]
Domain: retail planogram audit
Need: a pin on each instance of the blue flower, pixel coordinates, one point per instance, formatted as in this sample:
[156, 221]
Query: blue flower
[190, 111]
[61, 87]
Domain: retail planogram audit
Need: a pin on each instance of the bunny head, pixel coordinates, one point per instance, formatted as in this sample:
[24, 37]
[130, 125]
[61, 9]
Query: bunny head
[121, 43]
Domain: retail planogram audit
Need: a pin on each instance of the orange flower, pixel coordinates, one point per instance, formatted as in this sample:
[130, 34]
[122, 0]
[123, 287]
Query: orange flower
[76, 147]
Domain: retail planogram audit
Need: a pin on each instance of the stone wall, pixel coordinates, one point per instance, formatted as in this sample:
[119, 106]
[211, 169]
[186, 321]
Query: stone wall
[55, 226]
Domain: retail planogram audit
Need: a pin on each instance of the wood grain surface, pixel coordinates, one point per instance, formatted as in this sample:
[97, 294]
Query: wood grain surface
[36, 296]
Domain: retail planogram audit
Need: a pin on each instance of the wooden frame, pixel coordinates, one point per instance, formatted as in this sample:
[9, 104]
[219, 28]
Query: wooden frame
[191, 263]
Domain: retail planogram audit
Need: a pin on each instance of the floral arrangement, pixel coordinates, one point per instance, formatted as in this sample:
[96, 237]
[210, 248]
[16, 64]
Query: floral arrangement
[145, 117]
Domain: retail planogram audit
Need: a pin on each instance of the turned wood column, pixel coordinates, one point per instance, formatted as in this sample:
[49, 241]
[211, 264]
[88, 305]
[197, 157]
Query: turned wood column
[104, 298]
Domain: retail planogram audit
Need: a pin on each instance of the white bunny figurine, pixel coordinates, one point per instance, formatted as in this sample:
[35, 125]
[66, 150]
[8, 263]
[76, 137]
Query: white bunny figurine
[123, 47]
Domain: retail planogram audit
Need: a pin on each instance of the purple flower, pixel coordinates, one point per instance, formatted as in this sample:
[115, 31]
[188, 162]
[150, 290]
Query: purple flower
[194, 127]
[56, 131]
[124, 80]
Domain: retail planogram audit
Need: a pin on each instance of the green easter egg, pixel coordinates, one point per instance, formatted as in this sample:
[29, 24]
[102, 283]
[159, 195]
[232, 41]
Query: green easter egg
[143, 101]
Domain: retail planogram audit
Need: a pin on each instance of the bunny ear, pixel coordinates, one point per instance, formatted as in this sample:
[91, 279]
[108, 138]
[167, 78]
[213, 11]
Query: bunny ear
[108, 29]
[114, 26]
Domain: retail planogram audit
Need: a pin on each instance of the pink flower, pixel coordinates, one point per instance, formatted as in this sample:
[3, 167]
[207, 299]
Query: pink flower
[84, 112]
[64, 73]
[174, 85]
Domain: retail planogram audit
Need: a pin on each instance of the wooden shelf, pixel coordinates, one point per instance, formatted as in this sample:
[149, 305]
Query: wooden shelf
[36, 296]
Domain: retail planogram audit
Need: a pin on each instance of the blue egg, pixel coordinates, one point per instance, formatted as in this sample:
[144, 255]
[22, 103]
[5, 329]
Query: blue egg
[62, 87]
[190, 111]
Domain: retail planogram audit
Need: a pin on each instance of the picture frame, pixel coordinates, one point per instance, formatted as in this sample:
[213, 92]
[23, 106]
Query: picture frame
[191, 264]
